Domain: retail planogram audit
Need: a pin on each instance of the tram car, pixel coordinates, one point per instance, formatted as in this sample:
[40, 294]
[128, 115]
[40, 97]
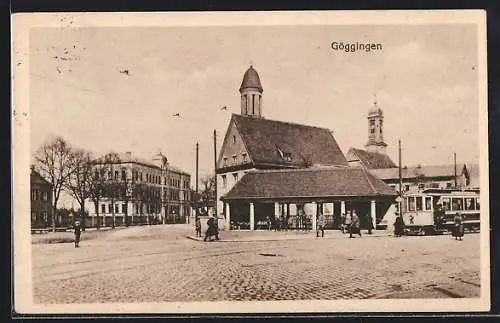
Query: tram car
[432, 211]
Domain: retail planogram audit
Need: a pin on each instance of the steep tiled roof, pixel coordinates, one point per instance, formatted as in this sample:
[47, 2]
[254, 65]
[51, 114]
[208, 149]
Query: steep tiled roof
[373, 160]
[416, 171]
[282, 143]
[309, 182]
[36, 178]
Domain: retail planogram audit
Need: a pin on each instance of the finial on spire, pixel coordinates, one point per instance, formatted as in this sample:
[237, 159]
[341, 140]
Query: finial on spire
[251, 63]
[375, 98]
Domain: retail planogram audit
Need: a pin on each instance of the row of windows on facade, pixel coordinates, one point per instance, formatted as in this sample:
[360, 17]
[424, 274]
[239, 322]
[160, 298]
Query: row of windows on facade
[421, 203]
[421, 186]
[37, 195]
[149, 208]
[224, 179]
[244, 158]
[44, 216]
[138, 177]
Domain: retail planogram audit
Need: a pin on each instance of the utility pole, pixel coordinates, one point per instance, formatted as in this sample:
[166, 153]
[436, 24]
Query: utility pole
[215, 173]
[196, 183]
[400, 175]
[455, 168]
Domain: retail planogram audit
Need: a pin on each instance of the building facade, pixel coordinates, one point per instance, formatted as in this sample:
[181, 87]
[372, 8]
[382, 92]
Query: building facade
[134, 193]
[41, 201]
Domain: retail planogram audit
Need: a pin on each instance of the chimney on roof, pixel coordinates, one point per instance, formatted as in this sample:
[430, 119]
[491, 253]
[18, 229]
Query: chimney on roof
[128, 154]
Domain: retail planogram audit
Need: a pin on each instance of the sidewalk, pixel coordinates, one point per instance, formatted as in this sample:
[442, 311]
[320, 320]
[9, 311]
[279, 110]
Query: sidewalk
[265, 235]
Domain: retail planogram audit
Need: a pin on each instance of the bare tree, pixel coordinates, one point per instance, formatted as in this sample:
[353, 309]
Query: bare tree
[207, 195]
[54, 163]
[78, 184]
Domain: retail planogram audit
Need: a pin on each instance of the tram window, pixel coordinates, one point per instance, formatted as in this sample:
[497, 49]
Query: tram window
[477, 204]
[446, 203]
[469, 203]
[411, 204]
[428, 205]
[419, 203]
[457, 204]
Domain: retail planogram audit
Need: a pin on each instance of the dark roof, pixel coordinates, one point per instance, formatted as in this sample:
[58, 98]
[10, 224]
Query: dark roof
[416, 171]
[272, 142]
[126, 158]
[36, 178]
[309, 182]
[251, 79]
[372, 160]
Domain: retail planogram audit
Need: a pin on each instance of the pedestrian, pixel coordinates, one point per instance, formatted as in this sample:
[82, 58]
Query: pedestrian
[343, 223]
[398, 226]
[370, 223]
[268, 222]
[458, 229]
[348, 222]
[212, 230]
[197, 226]
[321, 226]
[78, 232]
[355, 224]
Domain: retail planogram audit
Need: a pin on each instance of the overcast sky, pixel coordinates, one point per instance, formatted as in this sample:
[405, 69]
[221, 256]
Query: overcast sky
[424, 78]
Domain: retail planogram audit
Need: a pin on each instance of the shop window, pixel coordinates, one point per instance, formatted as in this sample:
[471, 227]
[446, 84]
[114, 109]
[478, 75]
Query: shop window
[33, 216]
[477, 204]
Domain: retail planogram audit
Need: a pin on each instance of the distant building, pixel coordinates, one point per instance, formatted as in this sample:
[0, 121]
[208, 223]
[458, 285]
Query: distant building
[421, 177]
[144, 181]
[41, 201]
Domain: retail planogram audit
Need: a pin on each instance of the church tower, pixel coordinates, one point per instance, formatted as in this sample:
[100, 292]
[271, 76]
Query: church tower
[375, 130]
[251, 94]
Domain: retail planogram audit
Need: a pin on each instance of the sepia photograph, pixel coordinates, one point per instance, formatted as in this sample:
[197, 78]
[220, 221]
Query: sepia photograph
[250, 162]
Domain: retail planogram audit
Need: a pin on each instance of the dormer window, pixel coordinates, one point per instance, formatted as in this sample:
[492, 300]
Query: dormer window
[225, 161]
[287, 157]
[235, 158]
[234, 139]
[244, 156]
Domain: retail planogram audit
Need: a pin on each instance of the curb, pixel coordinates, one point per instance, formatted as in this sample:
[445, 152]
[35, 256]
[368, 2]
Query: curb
[285, 239]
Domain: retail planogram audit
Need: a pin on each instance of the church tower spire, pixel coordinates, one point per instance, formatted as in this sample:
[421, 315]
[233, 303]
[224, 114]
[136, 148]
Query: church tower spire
[251, 94]
[375, 130]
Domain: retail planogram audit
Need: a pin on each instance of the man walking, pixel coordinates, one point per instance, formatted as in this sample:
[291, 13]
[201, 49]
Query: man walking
[78, 232]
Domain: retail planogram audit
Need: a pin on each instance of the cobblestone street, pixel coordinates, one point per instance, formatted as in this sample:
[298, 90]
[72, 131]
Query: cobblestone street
[158, 263]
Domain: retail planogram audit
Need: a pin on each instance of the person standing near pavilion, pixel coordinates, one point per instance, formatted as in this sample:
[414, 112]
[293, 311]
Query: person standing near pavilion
[458, 229]
[355, 224]
[321, 225]
[348, 222]
[197, 225]
[78, 232]
[398, 226]
[369, 219]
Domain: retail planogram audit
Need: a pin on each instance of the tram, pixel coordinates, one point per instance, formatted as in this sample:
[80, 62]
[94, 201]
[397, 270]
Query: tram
[432, 211]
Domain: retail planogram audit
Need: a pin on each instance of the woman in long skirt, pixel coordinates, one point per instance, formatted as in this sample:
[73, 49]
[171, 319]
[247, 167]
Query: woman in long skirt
[458, 229]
